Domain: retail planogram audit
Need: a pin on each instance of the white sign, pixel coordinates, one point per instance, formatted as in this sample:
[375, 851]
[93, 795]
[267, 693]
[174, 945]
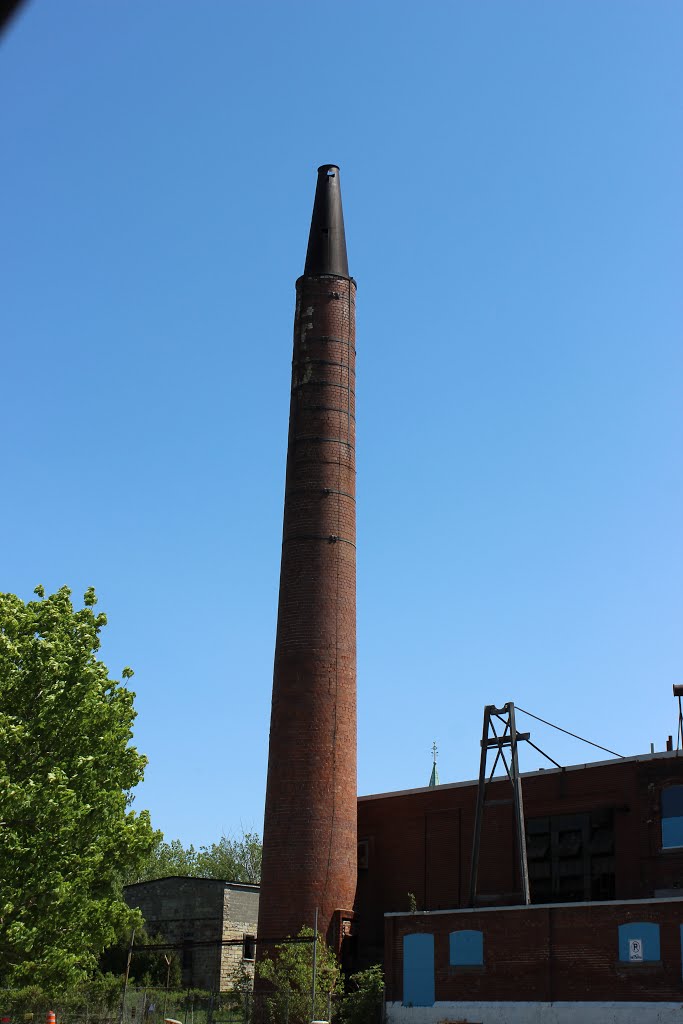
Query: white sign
[635, 949]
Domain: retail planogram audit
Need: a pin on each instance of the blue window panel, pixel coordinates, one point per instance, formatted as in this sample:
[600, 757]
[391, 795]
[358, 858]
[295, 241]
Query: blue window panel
[466, 949]
[647, 932]
[672, 831]
[418, 969]
[672, 802]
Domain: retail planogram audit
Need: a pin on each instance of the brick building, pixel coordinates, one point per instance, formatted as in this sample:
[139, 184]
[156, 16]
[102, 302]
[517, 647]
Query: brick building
[561, 963]
[212, 925]
[605, 857]
[605, 848]
[603, 841]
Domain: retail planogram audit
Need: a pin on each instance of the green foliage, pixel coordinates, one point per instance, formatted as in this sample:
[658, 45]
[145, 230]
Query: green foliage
[364, 998]
[236, 859]
[67, 768]
[165, 859]
[98, 997]
[149, 1005]
[149, 965]
[290, 974]
[412, 903]
[238, 1000]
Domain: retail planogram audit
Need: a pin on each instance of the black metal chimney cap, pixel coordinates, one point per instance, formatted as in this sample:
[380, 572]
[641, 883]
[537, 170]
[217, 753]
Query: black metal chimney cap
[327, 242]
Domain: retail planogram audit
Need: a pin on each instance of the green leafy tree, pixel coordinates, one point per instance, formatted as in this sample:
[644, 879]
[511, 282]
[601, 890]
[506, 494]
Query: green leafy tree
[67, 769]
[153, 962]
[95, 998]
[232, 859]
[290, 973]
[236, 859]
[165, 859]
[364, 998]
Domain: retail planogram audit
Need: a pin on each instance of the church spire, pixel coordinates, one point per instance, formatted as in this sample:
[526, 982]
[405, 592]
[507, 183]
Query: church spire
[434, 777]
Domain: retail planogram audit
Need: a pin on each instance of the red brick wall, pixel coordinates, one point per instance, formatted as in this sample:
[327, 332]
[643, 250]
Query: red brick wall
[405, 854]
[559, 953]
[309, 843]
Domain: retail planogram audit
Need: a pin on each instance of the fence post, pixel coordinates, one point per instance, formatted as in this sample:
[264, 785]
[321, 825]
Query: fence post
[125, 977]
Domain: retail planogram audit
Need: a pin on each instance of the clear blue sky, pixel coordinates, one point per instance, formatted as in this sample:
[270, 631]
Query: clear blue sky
[511, 174]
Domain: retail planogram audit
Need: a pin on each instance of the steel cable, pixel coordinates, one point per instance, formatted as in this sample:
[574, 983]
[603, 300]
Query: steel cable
[568, 733]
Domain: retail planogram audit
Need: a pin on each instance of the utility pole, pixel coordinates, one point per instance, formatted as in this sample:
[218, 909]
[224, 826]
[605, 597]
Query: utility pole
[125, 977]
[315, 955]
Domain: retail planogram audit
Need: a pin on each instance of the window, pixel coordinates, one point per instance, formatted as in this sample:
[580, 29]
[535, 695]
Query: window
[672, 816]
[187, 955]
[186, 960]
[466, 949]
[638, 942]
[571, 857]
[249, 947]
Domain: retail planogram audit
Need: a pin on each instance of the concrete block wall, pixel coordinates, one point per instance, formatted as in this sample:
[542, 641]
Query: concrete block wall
[187, 912]
[199, 915]
[240, 917]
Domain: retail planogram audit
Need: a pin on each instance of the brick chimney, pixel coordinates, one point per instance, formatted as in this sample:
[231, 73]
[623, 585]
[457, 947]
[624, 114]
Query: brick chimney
[309, 832]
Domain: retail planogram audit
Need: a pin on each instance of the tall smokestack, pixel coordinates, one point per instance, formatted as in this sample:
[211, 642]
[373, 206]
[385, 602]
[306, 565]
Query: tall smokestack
[309, 832]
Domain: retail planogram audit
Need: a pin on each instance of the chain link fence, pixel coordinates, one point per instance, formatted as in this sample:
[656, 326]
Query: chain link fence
[18, 1008]
[195, 1006]
[154, 1006]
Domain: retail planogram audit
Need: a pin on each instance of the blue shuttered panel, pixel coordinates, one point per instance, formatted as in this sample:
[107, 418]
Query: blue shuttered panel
[418, 969]
[648, 934]
[466, 949]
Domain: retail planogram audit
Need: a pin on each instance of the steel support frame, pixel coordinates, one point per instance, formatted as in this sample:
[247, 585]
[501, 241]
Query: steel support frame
[490, 740]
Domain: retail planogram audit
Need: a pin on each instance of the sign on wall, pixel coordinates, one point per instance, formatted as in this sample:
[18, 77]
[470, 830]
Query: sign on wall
[635, 949]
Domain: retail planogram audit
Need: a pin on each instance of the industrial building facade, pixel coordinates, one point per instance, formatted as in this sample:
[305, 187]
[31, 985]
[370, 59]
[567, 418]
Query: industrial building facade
[605, 852]
[604, 845]
[601, 844]
[556, 963]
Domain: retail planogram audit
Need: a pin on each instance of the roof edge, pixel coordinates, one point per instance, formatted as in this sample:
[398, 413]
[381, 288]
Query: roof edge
[195, 878]
[535, 906]
[660, 755]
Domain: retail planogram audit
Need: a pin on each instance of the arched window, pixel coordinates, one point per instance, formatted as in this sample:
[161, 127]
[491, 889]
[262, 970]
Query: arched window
[466, 949]
[672, 816]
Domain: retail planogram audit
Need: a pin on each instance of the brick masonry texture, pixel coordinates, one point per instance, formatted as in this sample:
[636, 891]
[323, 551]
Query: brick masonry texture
[309, 841]
[421, 841]
[552, 953]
